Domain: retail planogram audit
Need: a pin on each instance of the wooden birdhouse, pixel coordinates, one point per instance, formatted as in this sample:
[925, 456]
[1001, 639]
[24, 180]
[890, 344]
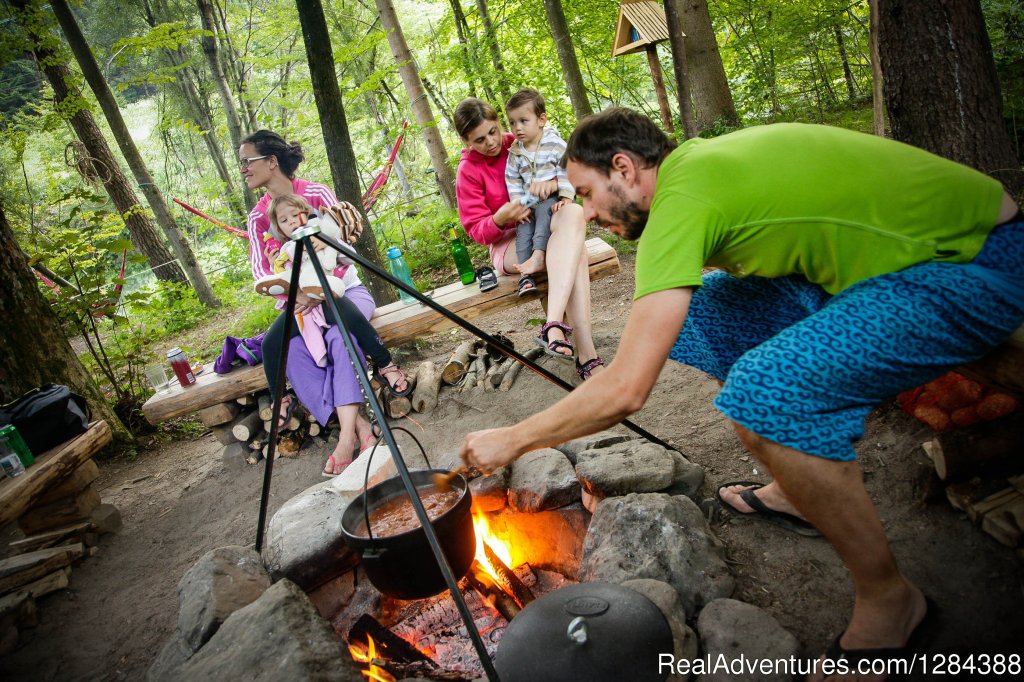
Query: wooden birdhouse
[641, 26]
[641, 23]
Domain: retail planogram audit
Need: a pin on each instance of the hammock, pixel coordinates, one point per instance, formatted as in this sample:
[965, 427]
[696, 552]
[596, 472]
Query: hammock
[369, 198]
[97, 308]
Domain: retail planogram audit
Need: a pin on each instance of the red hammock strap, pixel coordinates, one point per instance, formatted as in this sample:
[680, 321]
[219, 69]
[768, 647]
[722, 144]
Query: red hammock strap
[242, 234]
[377, 186]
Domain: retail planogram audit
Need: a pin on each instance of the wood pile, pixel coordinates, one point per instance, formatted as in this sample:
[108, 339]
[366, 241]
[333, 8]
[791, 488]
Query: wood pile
[243, 426]
[980, 470]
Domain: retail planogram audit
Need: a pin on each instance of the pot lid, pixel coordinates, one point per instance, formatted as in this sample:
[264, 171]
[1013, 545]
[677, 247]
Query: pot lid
[589, 631]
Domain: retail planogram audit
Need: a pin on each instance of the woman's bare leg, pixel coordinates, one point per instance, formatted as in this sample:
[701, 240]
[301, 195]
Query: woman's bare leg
[578, 310]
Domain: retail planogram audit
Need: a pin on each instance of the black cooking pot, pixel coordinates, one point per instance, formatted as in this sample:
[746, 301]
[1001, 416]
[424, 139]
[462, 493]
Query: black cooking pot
[403, 566]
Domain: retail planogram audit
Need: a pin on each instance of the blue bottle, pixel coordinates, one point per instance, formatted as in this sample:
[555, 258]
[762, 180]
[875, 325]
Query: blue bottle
[400, 270]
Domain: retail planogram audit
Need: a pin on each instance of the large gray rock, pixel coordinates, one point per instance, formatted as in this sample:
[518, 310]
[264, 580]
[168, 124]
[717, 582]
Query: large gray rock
[667, 600]
[739, 632]
[174, 654]
[652, 535]
[542, 479]
[687, 477]
[279, 637]
[304, 541]
[221, 582]
[594, 441]
[490, 493]
[630, 467]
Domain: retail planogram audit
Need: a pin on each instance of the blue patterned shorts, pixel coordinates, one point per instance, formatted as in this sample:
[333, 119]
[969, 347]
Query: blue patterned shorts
[803, 368]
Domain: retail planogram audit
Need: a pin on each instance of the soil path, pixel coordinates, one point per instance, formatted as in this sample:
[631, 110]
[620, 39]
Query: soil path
[180, 500]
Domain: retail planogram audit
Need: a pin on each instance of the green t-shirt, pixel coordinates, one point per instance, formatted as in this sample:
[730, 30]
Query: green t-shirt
[833, 205]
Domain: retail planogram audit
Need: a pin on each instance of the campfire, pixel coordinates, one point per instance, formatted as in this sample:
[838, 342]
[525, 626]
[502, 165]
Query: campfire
[427, 638]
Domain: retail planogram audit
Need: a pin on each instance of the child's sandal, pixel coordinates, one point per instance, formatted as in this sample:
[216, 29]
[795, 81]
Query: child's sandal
[527, 285]
[552, 347]
[486, 278]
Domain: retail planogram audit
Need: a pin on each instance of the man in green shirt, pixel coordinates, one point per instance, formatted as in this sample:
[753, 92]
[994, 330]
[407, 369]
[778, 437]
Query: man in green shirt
[852, 268]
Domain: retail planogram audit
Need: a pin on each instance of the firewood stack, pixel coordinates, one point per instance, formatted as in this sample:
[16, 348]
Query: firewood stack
[243, 426]
[981, 471]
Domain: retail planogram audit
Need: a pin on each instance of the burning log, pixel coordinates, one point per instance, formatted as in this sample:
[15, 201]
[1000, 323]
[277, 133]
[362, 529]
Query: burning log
[507, 578]
[404, 671]
[491, 592]
[390, 645]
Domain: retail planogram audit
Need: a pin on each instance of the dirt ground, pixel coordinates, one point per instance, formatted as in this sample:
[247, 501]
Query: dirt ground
[180, 500]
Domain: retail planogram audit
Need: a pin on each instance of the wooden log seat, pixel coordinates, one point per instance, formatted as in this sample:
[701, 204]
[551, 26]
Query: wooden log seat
[51, 468]
[397, 323]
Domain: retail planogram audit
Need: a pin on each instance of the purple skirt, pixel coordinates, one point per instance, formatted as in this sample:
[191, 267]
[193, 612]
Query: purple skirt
[322, 389]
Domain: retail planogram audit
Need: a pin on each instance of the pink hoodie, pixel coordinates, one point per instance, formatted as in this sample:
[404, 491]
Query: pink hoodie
[480, 189]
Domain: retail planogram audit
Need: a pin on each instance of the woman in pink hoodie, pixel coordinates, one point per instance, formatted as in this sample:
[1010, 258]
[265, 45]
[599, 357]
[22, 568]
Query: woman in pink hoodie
[490, 218]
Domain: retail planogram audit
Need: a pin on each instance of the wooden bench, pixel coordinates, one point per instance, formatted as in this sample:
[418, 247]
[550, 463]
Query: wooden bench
[397, 323]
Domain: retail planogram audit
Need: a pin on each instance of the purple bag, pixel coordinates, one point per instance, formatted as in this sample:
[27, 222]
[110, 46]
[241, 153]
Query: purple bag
[249, 351]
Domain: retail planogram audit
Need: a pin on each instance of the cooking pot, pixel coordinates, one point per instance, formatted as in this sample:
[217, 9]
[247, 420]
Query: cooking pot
[587, 633]
[403, 566]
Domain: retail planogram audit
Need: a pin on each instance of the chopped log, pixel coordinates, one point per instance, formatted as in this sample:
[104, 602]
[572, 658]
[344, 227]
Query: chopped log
[394, 406]
[489, 590]
[64, 511]
[390, 645]
[255, 458]
[106, 518]
[220, 413]
[428, 383]
[965, 494]
[419, 669]
[76, 532]
[50, 468]
[265, 406]
[457, 364]
[18, 609]
[1001, 515]
[991, 448]
[496, 371]
[247, 400]
[26, 568]
[513, 371]
[507, 578]
[223, 434]
[259, 440]
[81, 477]
[58, 580]
[247, 425]
[476, 371]
[315, 428]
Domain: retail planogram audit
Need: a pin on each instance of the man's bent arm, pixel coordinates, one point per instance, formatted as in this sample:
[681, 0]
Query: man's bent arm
[602, 401]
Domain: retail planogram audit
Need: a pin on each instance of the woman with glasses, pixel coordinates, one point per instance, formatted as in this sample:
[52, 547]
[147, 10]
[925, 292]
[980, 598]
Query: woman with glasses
[268, 161]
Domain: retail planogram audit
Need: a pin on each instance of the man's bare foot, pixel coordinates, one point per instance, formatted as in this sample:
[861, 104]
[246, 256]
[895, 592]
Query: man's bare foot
[533, 264]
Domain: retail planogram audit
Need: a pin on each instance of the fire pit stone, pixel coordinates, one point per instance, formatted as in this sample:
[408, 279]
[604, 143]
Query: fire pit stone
[490, 493]
[653, 535]
[630, 467]
[665, 597]
[601, 439]
[736, 629]
[542, 479]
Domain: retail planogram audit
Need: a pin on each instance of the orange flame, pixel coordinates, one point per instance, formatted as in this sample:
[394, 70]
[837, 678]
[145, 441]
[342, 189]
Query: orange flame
[368, 655]
[498, 546]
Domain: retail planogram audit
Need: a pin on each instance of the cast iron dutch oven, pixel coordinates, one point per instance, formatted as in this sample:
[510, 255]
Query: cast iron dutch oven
[403, 566]
[585, 633]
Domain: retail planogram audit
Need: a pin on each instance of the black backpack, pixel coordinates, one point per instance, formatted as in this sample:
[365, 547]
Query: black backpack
[47, 416]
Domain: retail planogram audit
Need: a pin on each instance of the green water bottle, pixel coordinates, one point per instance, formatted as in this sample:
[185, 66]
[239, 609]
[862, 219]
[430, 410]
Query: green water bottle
[11, 442]
[461, 257]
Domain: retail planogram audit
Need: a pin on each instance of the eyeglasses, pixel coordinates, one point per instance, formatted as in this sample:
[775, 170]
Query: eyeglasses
[244, 162]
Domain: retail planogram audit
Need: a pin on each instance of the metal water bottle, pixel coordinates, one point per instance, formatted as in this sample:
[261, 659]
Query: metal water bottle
[461, 257]
[400, 270]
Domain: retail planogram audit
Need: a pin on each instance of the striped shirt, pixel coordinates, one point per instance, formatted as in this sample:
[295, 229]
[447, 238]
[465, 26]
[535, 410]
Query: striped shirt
[319, 197]
[524, 167]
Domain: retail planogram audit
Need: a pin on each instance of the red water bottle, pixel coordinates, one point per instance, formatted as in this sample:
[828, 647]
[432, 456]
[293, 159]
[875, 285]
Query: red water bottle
[182, 370]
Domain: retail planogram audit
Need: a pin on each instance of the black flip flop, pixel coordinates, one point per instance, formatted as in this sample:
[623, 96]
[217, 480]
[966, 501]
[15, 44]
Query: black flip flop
[761, 511]
[920, 636]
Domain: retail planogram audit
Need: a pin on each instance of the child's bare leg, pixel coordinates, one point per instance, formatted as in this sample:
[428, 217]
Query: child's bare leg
[533, 264]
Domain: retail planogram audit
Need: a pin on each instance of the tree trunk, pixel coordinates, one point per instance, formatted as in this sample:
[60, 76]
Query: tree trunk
[677, 41]
[200, 115]
[235, 66]
[226, 98]
[567, 58]
[941, 88]
[712, 99]
[333, 124]
[421, 107]
[659, 88]
[461, 31]
[91, 71]
[877, 79]
[851, 85]
[70, 103]
[35, 349]
[495, 49]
